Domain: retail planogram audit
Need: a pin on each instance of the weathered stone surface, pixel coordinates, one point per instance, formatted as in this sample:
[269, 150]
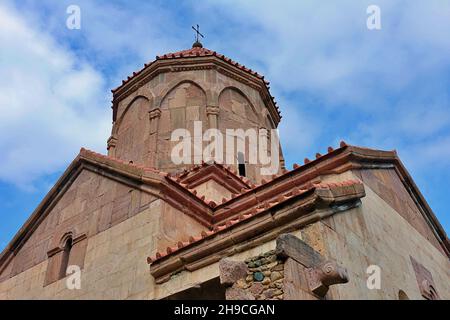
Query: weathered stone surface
[232, 271]
[238, 294]
[275, 276]
[325, 275]
[256, 288]
[241, 283]
[295, 283]
[278, 267]
[291, 246]
[269, 293]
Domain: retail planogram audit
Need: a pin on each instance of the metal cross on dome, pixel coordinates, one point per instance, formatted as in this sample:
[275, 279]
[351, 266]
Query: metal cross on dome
[197, 31]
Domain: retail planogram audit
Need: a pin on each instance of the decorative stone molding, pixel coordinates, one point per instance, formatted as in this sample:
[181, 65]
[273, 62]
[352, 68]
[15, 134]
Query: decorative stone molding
[154, 116]
[425, 281]
[112, 142]
[322, 277]
[183, 65]
[321, 273]
[428, 291]
[155, 113]
[60, 247]
[263, 226]
[212, 113]
[293, 270]
[289, 246]
[212, 110]
[56, 257]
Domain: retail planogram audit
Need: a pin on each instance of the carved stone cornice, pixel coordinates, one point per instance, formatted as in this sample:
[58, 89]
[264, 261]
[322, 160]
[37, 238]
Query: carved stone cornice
[155, 113]
[197, 63]
[212, 110]
[243, 236]
[321, 277]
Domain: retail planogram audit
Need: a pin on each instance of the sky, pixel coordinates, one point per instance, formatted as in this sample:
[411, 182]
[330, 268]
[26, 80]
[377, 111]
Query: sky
[333, 78]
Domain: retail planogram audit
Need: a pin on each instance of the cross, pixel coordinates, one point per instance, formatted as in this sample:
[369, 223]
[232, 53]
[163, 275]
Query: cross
[197, 32]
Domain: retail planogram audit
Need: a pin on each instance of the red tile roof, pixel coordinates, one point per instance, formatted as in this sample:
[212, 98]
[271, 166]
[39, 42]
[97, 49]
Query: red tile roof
[84, 152]
[204, 52]
[256, 211]
[201, 52]
[177, 177]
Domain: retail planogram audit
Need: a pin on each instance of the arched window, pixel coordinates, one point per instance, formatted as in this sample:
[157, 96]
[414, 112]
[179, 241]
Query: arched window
[65, 257]
[241, 164]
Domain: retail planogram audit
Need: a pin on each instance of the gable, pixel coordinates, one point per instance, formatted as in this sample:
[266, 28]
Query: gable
[89, 204]
[212, 190]
[388, 185]
[222, 175]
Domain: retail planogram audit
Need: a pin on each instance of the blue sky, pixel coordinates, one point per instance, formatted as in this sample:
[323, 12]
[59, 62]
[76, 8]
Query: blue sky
[333, 78]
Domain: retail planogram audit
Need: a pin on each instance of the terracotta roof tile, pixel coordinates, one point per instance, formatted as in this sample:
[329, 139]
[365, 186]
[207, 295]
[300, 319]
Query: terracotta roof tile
[195, 52]
[256, 211]
[84, 151]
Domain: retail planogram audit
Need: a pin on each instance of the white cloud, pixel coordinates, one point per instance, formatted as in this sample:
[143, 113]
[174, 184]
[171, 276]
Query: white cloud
[328, 49]
[391, 85]
[51, 103]
[333, 77]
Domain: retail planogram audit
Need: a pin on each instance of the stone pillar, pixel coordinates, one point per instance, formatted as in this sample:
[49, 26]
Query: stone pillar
[111, 145]
[212, 112]
[154, 116]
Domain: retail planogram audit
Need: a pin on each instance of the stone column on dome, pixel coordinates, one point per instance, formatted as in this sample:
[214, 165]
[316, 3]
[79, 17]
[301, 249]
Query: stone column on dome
[111, 145]
[154, 116]
[212, 113]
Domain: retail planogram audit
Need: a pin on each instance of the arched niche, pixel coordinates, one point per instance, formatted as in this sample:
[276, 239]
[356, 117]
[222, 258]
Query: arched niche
[132, 131]
[236, 110]
[180, 108]
[177, 81]
[127, 108]
[182, 105]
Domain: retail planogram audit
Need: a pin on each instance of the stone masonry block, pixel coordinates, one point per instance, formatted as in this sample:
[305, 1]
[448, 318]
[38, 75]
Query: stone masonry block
[232, 271]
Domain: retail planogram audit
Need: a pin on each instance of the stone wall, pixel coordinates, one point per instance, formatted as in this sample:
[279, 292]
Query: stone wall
[264, 279]
[294, 271]
[377, 234]
[123, 226]
[114, 266]
[91, 205]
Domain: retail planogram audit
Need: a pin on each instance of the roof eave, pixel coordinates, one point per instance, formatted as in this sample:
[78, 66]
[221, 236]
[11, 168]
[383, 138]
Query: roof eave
[308, 207]
[177, 64]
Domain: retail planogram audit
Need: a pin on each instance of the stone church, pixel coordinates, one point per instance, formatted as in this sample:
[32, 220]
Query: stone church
[348, 224]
